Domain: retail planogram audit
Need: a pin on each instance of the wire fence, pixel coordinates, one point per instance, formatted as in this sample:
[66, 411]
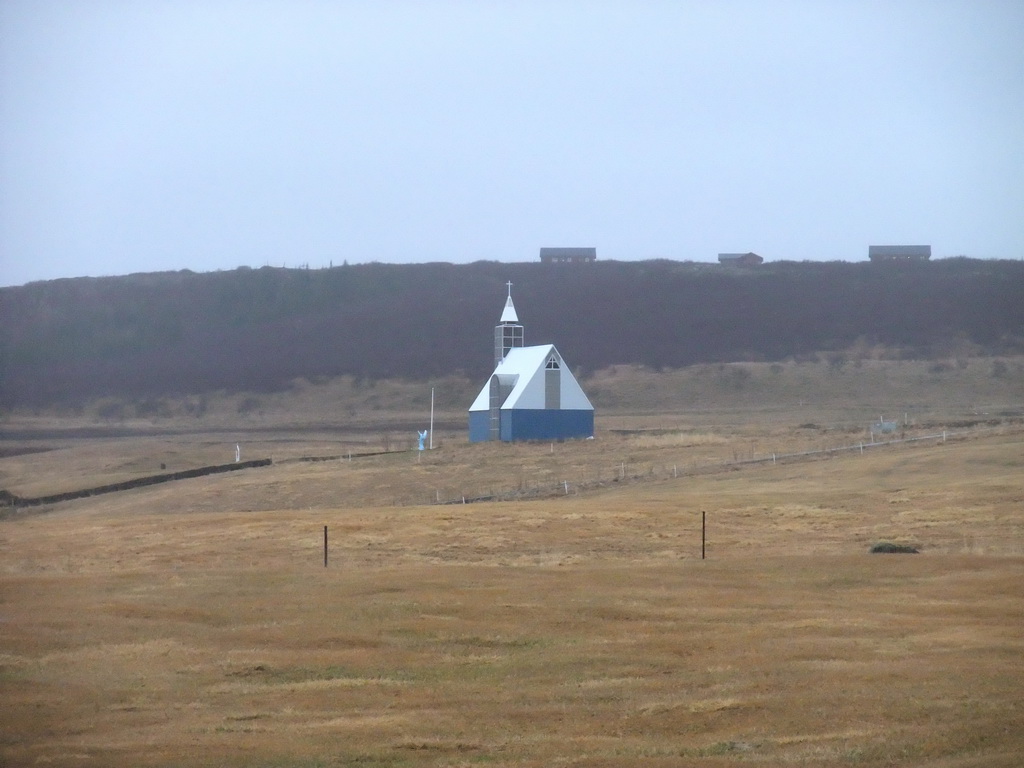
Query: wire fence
[626, 472]
[623, 473]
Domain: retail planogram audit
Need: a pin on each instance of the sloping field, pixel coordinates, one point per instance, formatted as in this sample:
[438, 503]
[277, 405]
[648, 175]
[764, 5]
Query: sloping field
[195, 623]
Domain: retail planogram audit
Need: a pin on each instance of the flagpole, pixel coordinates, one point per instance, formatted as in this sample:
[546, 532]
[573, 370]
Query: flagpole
[431, 418]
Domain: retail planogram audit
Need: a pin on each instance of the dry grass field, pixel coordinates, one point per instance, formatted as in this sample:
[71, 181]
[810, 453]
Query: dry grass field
[194, 623]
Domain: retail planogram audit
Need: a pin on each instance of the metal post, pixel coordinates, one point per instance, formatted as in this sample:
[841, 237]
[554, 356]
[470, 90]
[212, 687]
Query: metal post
[325, 546]
[703, 532]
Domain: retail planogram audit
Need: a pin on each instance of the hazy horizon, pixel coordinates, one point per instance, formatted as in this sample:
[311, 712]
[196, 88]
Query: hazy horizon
[146, 137]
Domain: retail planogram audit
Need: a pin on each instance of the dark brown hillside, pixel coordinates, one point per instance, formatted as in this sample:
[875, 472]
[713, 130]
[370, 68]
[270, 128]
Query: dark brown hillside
[140, 336]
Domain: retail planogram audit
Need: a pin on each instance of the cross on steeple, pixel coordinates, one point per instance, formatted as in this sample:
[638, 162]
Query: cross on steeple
[509, 284]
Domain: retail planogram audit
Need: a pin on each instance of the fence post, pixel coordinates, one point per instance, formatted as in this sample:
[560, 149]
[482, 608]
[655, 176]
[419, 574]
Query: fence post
[703, 532]
[325, 546]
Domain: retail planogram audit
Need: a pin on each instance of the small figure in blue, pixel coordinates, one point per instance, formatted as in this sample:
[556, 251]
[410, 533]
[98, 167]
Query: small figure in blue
[423, 436]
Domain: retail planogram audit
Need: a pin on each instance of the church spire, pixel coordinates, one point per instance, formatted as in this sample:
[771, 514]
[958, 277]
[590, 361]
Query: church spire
[508, 333]
[509, 314]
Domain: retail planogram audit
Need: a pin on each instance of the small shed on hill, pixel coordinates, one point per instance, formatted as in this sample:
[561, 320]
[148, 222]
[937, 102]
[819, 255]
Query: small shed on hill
[531, 395]
[568, 255]
[740, 259]
[899, 252]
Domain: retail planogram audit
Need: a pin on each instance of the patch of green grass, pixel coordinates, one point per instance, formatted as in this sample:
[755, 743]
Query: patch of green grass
[476, 641]
[360, 759]
[721, 748]
[278, 675]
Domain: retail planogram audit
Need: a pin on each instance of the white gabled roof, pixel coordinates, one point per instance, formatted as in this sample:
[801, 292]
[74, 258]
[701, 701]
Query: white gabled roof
[525, 367]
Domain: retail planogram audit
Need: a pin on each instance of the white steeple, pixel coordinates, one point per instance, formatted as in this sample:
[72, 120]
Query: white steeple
[509, 315]
[508, 334]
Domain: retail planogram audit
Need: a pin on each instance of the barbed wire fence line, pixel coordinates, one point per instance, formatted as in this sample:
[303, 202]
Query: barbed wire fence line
[631, 472]
[592, 478]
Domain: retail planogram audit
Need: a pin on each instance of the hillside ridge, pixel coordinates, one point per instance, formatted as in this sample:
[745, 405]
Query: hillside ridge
[256, 330]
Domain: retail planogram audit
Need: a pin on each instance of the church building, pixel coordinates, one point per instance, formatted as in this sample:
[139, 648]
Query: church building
[532, 394]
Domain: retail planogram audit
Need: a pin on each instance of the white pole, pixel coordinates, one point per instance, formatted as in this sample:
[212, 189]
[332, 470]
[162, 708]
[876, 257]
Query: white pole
[431, 418]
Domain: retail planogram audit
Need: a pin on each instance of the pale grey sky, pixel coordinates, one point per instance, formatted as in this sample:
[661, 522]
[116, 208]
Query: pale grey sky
[209, 134]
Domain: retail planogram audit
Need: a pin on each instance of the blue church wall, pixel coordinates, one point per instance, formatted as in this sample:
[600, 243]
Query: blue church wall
[523, 424]
[479, 426]
[533, 424]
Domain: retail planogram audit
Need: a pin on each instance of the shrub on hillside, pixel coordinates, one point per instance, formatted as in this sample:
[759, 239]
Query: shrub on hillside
[889, 548]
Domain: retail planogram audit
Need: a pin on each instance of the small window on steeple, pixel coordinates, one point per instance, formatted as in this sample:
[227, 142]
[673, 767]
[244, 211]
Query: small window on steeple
[553, 363]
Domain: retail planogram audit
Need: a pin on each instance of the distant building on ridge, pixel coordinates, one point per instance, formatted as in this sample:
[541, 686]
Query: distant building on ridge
[899, 252]
[739, 259]
[532, 394]
[568, 255]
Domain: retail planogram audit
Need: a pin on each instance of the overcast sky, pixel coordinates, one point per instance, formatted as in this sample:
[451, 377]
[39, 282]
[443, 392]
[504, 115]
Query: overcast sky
[209, 134]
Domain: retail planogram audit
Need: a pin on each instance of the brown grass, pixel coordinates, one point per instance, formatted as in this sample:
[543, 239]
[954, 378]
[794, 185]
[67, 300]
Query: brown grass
[194, 623]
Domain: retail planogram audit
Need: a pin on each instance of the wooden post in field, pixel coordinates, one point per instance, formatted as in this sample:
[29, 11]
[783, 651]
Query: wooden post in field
[703, 532]
[325, 546]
